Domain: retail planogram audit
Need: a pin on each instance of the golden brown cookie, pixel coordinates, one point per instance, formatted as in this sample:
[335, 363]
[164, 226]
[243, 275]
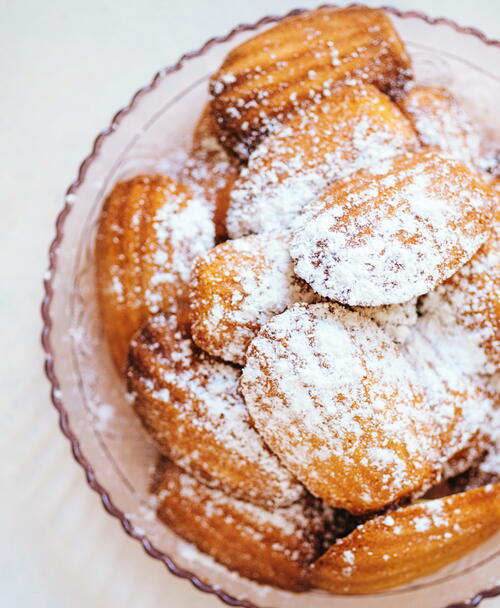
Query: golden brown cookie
[191, 406]
[334, 398]
[357, 127]
[466, 307]
[271, 547]
[411, 542]
[236, 288]
[386, 236]
[441, 122]
[455, 348]
[461, 408]
[269, 77]
[210, 168]
[149, 233]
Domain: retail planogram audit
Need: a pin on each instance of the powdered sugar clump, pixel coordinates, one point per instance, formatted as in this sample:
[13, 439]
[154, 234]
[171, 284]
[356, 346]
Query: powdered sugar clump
[433, 516]
[465, 310]
[397, 320]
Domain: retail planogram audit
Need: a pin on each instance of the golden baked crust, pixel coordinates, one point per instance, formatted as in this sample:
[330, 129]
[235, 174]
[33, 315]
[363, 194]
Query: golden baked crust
[441, 122]
[357, 127]
[191, 406]
[409, 543]
[210, 168]
[264, 80]
[149, 232]
[386, 236]
[236, 288]
[334, 398]
[273, 548]
[359, 292]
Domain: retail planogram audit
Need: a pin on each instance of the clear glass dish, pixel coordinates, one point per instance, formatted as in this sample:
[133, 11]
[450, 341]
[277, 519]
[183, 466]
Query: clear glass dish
[106, 438]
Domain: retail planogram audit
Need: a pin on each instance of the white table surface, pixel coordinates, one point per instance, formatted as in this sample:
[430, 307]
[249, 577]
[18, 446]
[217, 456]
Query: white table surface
[65, 68]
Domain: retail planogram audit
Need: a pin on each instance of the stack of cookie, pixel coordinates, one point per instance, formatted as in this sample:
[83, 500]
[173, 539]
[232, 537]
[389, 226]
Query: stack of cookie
[308, 315]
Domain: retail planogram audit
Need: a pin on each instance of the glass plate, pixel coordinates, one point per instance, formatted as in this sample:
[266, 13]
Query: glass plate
[152, 133]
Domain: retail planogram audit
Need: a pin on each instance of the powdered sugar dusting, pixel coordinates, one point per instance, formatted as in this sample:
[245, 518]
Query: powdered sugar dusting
[152, 271]
[270, 546]
[466, 309]
[270, 79]
[460, 408]
[442, 122]
[192, 405]
[183, 230]
[239, 286]
[334, 398]
[491, 463]
[386, 238]
[356, 128]
[456, 348]
[292, 520]
[397, 320]
[209, 169]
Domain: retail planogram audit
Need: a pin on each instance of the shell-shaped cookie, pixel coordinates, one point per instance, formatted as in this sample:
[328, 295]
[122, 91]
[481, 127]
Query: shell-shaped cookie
[267, 78]
[150, 231]
[191, 406]
[212, 169]
[334, 398]
[466, 308]
[441, 122]
[461, 408]
[357, 127]
[411, 542]
[236, 288]
[384, 237]
[271, 547]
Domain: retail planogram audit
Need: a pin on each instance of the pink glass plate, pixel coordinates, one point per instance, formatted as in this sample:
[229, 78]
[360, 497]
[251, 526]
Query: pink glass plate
[152, 133]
